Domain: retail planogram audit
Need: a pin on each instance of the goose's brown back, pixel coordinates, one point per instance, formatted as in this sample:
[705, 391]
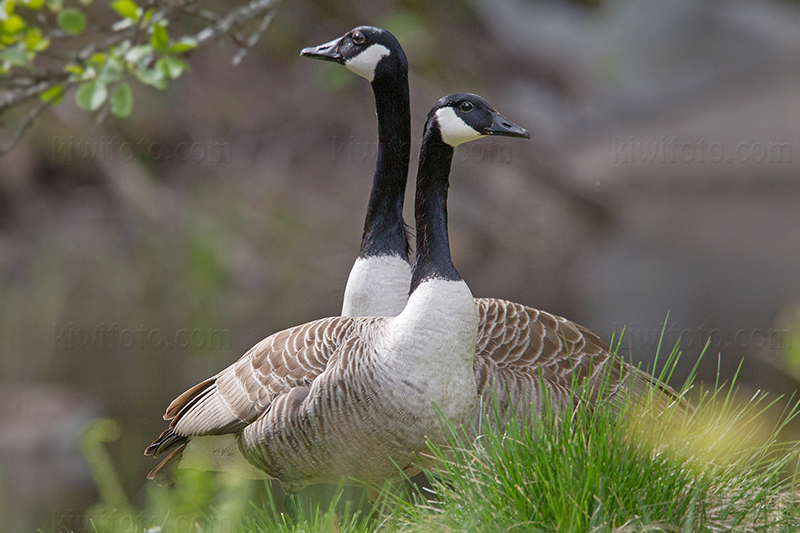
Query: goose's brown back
[528, 358]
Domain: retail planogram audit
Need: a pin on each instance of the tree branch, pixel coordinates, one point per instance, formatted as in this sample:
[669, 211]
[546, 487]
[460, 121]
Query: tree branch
[23, 127]
[235, 17]
[24, 85]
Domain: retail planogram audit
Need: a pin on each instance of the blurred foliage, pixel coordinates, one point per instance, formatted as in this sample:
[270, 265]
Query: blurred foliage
[789, 323]
[207, 502]
[112, 494]
[48, 50]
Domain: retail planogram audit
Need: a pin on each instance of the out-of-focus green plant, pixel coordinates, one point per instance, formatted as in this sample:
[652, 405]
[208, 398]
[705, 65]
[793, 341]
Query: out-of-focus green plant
[789, 332]
[113, 500]
[181, 507]
[49, 48]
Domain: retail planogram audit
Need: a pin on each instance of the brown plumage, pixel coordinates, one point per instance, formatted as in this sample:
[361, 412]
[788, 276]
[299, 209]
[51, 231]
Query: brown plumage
[522, 356]
[526, 358]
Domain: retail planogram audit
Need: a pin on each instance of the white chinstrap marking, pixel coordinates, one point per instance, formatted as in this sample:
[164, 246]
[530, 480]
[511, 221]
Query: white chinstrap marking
[454, 130]
[377, 286]
[364, 64]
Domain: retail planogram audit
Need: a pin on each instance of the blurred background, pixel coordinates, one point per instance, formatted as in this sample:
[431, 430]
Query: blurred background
[660, 193]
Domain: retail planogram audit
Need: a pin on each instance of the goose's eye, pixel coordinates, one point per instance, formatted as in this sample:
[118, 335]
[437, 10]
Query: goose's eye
[358, 38]
[466, 107]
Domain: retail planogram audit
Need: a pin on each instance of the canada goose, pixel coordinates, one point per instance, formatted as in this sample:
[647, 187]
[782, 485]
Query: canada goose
[356, 397]
[522, 353]
[378, 281]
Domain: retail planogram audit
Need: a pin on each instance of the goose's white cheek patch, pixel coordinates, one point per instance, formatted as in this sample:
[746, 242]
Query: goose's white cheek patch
[364, 64]
[454, 130]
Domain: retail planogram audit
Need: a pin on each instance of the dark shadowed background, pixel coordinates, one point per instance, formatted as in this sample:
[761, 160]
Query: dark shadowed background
[139, 256]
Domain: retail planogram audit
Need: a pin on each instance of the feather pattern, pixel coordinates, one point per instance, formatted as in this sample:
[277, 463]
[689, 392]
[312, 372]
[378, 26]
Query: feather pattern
[526, 358]
[324, 382]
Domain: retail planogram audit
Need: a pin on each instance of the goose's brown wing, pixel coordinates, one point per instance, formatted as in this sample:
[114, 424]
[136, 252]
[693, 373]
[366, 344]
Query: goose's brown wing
[525, 355]
[238, 395]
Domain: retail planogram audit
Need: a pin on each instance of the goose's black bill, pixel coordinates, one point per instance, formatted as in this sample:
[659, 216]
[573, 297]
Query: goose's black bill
[502, 126]
[327, 52]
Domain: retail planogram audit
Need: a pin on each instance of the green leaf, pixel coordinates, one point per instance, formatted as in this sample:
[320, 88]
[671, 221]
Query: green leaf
[136, 53]
[172, 67]
[13, 24]
[126, 8]
[73, 68]
[121, 24]
[91, 95]
[119, 49]
[112, 70]
[42, 45]
[72, 21]
[89, 73]
[55, 5]
[53, 95]
[153, 77]
[33, 4]
[122, 101]
[97, 60]
[160, 38]
[184, 45]
[16, 56]
[34, 41]
[32, 38]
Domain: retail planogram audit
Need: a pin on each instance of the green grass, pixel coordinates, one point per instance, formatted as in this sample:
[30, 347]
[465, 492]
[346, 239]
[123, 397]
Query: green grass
[594, 471]
[721, 467]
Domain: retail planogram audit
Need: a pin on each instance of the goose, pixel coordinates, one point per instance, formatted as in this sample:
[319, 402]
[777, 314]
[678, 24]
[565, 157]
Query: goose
[355, 397]
[379, 280]
[524, 357]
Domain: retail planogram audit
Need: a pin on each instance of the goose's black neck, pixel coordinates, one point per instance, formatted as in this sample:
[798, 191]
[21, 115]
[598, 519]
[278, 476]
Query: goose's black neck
[384, 228]
[430, 210]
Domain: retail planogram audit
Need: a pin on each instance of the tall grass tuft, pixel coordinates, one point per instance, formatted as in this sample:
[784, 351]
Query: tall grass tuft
[711, 468]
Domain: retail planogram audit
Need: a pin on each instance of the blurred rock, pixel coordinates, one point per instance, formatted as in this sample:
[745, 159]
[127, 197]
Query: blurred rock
[42, 470]
[690, 121]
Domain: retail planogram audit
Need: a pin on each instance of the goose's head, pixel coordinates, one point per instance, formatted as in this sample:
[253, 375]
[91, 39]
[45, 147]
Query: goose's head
[367, 51]
[464, 117]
